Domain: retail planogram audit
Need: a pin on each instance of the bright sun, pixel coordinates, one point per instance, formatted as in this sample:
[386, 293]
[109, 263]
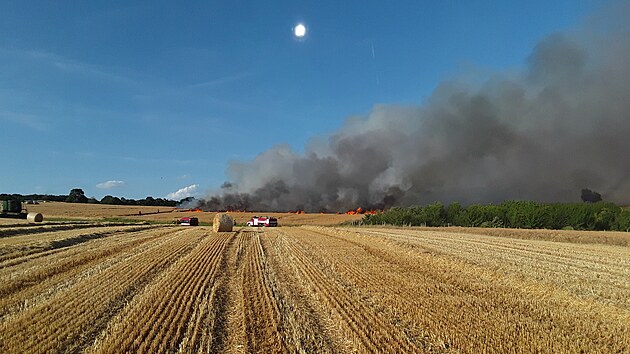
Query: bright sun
[299, 30]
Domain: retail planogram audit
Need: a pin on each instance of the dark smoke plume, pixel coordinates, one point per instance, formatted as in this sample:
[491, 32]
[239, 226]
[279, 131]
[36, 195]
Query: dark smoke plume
[545, 134]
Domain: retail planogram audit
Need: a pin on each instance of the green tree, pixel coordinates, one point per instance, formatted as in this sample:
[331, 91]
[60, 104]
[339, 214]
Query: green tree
[622, 220]
[605, 219]
[453, 213]
[434, 214]
[77, 196]
[108, 199]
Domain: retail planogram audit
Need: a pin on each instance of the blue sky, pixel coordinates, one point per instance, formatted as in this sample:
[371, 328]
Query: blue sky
[145, 98]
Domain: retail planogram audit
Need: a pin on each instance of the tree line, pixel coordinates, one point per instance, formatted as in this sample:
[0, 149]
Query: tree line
[510, 214]
[77, 195]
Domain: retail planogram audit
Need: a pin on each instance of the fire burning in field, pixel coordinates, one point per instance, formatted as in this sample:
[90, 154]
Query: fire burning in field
[357, 211]
[191, 210]
[361, 211]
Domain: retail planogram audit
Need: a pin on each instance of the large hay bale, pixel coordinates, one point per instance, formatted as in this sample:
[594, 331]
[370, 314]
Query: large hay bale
[34, 217]
[222, 223]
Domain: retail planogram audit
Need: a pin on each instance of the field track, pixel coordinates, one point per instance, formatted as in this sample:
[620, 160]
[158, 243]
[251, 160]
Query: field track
[164, 289]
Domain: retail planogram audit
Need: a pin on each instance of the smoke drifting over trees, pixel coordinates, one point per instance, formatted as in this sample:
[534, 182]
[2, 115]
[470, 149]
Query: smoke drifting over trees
[561, 125]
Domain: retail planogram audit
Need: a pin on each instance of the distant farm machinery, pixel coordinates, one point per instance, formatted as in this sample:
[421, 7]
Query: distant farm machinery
[14, 209]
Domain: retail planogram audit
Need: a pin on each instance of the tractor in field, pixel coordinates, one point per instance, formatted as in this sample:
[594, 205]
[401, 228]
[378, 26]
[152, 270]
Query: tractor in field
[13, 208]
[262, 221]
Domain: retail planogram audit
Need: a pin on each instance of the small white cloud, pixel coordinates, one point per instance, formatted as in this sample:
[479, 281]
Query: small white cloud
[110, 184]
[183, 192]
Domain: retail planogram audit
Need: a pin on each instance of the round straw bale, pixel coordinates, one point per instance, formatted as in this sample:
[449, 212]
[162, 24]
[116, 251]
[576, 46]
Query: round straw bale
[34, 217]
[222, 223]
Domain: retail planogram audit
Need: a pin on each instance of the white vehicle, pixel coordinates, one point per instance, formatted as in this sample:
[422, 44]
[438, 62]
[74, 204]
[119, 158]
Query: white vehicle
[188, 221]
[262, 221]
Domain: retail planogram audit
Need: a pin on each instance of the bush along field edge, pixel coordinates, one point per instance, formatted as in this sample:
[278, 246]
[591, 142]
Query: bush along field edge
[600, 216]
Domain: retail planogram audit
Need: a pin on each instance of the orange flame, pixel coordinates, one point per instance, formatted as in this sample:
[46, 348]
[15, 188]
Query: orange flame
[360, 210]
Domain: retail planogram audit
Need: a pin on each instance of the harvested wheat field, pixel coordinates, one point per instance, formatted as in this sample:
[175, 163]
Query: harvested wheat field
[94, 212]
[105, 288]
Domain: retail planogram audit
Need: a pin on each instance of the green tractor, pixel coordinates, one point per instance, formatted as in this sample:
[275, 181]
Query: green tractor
[13, 208]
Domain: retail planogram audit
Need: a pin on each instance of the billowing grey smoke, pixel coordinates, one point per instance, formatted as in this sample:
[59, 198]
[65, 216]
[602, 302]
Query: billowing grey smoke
[561, 126]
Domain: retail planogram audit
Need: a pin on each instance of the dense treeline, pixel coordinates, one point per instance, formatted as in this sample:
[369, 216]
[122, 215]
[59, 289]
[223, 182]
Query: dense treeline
[77, 195]
[513, 214]
[148, 201]
[27, 197]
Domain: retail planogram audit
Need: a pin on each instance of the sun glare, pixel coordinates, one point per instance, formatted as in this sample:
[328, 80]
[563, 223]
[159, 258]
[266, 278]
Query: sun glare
[299, 30]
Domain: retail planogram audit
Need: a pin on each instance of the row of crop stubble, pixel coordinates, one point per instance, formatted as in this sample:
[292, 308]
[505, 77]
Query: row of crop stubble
[482, 293]
[309, 289]
[68, 313]
[137, 289]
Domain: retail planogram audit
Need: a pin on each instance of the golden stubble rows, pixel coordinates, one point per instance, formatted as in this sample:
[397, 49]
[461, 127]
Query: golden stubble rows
[175, 302]
[31, 281]
[589, 271]
[309, 289]
[367, 328]
[70, 319]
[465, 306]
[23, 247]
